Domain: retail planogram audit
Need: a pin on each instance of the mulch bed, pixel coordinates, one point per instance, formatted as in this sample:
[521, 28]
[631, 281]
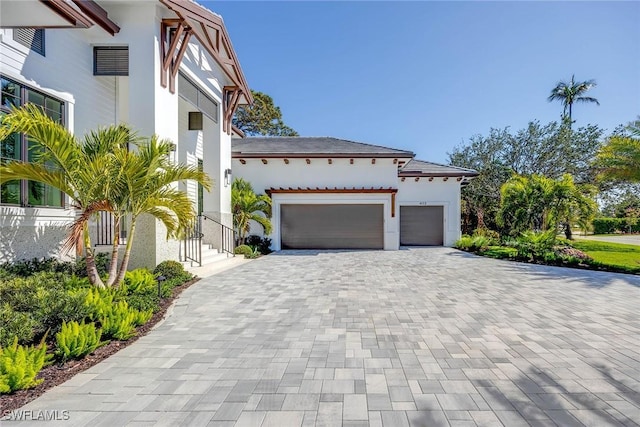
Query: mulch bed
[56, 374]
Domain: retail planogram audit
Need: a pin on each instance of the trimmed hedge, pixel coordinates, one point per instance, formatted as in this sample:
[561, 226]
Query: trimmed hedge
[615, 225]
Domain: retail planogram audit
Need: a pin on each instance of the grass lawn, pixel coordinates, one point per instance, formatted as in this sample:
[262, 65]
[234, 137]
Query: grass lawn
[615, 254]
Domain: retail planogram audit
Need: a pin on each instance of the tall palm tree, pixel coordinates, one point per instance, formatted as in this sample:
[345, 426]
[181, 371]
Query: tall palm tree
[148, 179]
[247, 206]
[83, 171]
[570, 92]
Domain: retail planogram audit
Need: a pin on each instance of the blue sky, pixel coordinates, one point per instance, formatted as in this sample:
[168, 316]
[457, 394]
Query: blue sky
[426, 76]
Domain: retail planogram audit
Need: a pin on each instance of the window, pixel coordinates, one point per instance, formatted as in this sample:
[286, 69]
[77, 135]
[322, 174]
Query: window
[110, 61]
[33, 38]
[189, 91]
[18, 147]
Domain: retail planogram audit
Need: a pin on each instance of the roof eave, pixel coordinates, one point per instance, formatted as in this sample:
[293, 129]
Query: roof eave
[437, 174]
[191, 11]
[239, 155]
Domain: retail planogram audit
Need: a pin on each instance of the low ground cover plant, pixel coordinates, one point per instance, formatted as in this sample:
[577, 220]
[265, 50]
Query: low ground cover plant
[76, 340]
[19, 365]
[45, 298]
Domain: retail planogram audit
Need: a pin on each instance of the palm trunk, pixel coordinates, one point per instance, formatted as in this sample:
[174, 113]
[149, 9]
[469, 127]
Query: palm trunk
[127, 253]
[113, 266]
[92, 270]
[567, 231]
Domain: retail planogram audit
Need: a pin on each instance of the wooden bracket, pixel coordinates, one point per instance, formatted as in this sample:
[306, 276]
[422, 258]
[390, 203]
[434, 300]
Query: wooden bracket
[174, 40]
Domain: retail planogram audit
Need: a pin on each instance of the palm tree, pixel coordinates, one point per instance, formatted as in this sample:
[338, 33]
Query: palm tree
[539, 203]
[83, 171]
[102, 174]
[148, 178]
[248, 206]
[570, 92]
[619, 159]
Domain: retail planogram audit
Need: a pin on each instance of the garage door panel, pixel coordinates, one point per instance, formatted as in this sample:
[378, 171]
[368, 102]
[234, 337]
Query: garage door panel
[332, 226]
[421, 225]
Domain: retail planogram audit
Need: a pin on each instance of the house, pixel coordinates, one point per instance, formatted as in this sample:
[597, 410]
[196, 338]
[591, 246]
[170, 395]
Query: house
[165, 67]
[331, 193]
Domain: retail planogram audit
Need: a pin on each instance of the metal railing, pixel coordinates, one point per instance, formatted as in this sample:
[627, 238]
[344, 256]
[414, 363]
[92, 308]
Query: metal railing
[227, 237]
[105, 230]
[193, 242]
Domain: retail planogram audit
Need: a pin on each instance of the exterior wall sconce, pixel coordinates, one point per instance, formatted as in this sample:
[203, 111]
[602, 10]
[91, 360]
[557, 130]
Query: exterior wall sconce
[227, 177]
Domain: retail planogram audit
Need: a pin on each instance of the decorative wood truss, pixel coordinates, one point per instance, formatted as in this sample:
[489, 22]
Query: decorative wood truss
[194, 20]
[326, 190]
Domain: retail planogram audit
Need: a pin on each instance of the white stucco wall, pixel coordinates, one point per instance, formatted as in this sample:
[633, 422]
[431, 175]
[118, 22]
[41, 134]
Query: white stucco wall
[434, 193]
[276, 173]
[66, 72]
[319, 173]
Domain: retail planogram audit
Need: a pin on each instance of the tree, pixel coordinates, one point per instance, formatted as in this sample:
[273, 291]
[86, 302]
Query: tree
[571, 92]
[247, 206]
[102, 174]
[539, 203]
[83, 171]
[619, 158]
[147, 178]
[262, 118]
[550, 150]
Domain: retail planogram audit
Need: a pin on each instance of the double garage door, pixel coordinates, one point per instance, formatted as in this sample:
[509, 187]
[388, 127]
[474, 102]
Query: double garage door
[336, 226]
[357, 226]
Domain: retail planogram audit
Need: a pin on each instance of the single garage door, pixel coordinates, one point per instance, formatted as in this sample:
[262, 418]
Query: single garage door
[332, 226]
[421, 225]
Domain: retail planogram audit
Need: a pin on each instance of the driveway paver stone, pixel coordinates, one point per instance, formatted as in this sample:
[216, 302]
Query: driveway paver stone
[416, 337]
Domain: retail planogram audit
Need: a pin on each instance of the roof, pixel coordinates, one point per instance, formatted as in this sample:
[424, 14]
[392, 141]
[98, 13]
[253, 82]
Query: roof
[423, 168]
[208, 27]
[55, 14]
[297, 146]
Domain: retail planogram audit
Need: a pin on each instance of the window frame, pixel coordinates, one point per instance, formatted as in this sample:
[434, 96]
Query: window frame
[199, 93]
[24, 141]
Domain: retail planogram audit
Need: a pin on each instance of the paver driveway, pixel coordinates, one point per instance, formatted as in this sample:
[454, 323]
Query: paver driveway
[420, 337]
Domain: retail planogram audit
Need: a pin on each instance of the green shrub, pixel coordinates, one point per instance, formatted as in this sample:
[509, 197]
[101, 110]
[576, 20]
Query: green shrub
[98, 302]
[146, 301]
[500, 252]
[492, 235]
[74, 282]
[171, 270]
[26, 268]
[142, 317]
[102, 259]
[76, 340]
[139, 290]
[138, 280]
[44, 297]
[261, 244]
[473, 244]
[244, 250]
[169, 285]
[14, 324]
[464, 243]
[20, 365]
[532, 245]
[615, 225]
[121, 320]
